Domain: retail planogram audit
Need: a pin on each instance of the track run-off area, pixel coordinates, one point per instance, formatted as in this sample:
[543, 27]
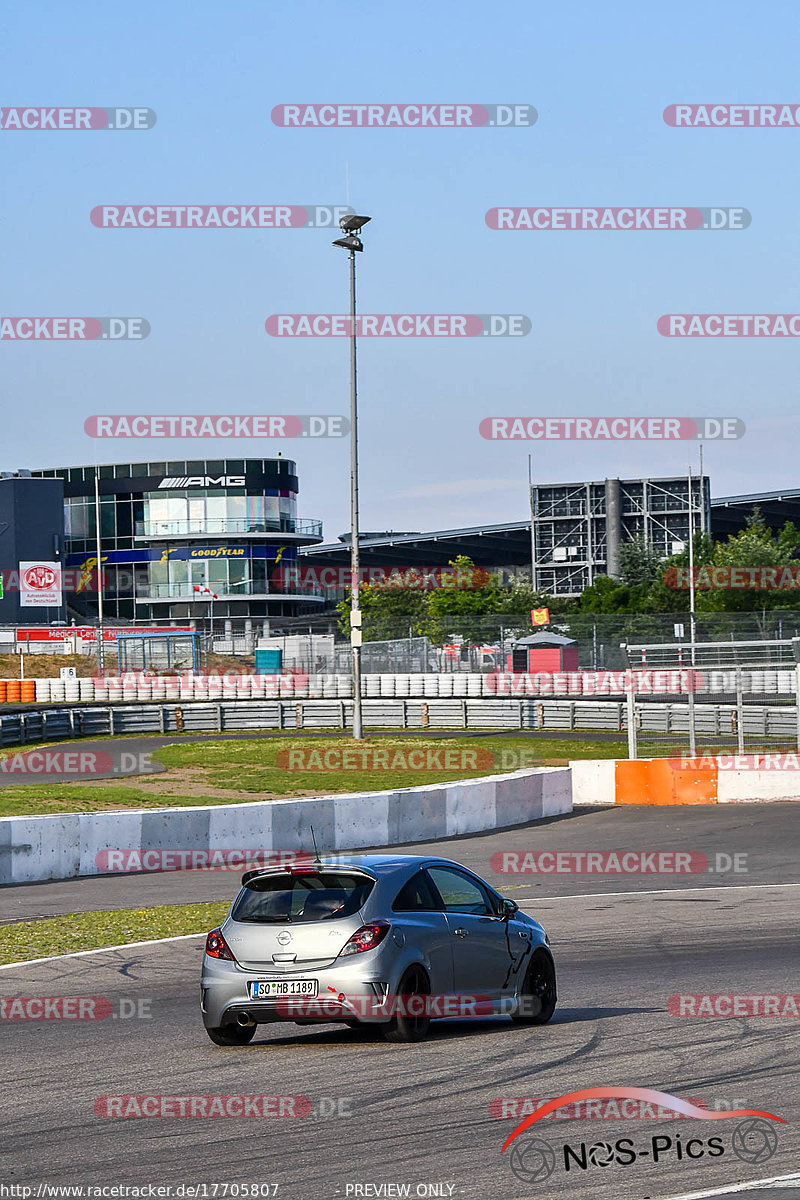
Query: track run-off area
[377, 1119]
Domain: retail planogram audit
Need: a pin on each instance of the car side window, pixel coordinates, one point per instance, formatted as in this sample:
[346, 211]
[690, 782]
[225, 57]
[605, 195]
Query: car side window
[417, 895]
[462, 894]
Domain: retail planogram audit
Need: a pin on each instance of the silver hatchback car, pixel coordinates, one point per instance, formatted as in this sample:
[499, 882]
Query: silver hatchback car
[388, 940]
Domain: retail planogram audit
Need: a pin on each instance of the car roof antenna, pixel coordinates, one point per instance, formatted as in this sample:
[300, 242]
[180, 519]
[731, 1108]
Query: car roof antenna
[317, 858]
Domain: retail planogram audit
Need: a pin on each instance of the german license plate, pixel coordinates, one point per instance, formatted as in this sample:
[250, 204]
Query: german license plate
[274, 989]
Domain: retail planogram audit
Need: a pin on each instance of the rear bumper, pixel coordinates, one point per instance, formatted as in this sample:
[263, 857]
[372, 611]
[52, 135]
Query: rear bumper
[362, 986]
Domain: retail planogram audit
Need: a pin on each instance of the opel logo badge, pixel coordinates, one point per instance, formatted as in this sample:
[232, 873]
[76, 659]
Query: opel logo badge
[284, 938]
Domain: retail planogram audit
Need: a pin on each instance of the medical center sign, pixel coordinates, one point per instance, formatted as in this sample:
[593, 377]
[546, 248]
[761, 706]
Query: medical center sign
[40, 585]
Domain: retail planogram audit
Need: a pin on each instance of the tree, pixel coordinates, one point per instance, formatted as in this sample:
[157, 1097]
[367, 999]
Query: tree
[606, 595]
[387, 612]
[754, 546]
[458, 610]
[470, 603]
[476, 614]
[639, 563]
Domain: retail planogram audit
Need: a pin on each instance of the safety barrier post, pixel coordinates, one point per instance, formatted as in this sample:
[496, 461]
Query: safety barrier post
[739, 711]
[796, 651]
[631, 710]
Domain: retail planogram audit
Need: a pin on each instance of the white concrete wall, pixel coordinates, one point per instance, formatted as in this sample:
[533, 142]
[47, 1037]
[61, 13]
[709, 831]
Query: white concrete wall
[593, 781]
[33, 849]
[746, 786]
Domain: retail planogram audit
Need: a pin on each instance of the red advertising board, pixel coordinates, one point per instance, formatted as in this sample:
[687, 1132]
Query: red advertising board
[88, 633]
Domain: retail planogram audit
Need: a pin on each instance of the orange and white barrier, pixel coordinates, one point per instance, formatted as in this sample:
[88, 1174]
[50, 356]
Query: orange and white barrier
[721, 779]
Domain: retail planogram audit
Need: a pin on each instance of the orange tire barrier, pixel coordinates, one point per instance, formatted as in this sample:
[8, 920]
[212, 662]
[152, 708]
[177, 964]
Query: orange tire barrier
[13, 691]
[28, 691]
[3, 691]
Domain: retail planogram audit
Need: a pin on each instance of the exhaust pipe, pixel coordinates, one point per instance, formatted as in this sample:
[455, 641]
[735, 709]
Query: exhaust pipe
[244, 1019]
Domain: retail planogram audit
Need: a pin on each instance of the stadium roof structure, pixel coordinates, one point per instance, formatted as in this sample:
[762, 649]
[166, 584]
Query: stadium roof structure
[509, 543]
[729, 514]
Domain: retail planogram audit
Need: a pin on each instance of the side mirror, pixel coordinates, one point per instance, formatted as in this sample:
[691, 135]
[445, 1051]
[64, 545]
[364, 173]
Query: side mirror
[509, 908]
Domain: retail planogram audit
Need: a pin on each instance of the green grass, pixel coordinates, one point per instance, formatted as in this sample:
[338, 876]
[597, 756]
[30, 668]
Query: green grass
[40, 800]
[225, 760]
[250, 767]
[247, 770]
[93, 930]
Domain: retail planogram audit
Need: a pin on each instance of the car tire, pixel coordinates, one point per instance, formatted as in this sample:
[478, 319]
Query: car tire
[538, 995]
[405, 1026]
[232, 1035]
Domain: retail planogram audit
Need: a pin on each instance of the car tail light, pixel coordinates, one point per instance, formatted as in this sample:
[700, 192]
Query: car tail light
[365, 938]
[217, 947]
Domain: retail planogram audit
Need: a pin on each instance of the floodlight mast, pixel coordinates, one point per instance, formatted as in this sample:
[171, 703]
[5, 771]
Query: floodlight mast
[353, 244]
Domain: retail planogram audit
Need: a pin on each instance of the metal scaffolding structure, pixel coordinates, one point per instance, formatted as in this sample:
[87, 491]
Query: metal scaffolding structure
[578, 528]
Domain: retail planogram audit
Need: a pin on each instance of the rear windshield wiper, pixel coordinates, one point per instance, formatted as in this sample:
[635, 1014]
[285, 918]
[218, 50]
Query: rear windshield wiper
[287, 920]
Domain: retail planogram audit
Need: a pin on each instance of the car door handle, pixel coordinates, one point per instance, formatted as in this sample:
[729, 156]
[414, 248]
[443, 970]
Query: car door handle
[460, 932]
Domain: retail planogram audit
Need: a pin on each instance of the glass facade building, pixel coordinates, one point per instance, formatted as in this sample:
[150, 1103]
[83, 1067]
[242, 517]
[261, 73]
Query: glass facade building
[172, 527]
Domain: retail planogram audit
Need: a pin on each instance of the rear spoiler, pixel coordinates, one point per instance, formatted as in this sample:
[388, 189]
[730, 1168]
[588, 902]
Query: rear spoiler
[296, 868]
[248, 875]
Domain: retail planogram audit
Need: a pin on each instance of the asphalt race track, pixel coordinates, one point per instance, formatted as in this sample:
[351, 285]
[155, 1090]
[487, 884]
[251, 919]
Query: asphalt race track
[419, 1115]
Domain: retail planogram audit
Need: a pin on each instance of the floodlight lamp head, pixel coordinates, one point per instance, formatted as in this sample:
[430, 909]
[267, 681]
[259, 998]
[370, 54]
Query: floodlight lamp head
[353, 223]
[351, 242]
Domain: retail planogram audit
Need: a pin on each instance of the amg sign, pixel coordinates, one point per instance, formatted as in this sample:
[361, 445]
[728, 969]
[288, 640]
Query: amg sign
[184, 481]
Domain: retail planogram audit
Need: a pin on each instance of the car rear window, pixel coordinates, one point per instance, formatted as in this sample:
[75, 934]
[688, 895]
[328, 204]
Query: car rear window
[301, 898]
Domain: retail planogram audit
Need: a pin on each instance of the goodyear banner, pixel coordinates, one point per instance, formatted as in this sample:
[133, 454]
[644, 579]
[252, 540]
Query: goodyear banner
[193, 552]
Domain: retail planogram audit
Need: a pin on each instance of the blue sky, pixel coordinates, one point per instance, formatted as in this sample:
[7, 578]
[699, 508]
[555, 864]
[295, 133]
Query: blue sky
[599, 77]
